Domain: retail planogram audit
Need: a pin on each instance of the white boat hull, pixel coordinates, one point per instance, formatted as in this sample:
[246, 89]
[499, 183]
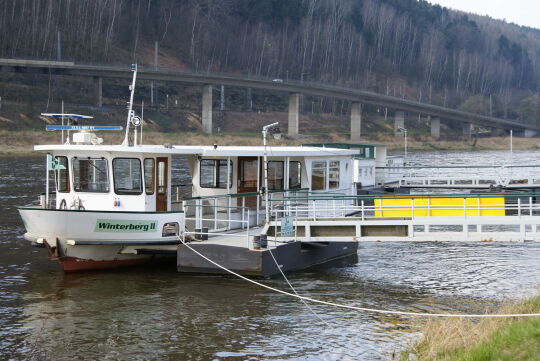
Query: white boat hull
[86, 240]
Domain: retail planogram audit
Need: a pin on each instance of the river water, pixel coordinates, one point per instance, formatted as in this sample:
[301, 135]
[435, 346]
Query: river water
[159, 314]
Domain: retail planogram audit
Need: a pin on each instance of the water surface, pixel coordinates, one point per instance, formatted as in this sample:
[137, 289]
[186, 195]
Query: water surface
[159, 314]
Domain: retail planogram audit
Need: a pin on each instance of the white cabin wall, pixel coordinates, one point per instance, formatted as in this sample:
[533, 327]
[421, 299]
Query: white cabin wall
[106, 201]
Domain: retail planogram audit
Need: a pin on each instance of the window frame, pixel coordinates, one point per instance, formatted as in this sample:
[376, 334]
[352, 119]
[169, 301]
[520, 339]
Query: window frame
[216, 167]
[124, 193]
[73, 159]
[153, 180]
[325, 176]
[67, 176]
[338, 167]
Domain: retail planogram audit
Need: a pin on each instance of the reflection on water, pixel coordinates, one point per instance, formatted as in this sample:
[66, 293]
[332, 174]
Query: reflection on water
[157, 313]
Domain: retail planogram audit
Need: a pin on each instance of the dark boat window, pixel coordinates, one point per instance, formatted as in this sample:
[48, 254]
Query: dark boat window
[149, 175]
[213, 173]
[62, 176]
[127, 176]
[295, 175]
[276, 175]
[90, 175]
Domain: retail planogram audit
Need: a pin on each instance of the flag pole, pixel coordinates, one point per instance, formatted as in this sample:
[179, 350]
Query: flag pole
[47, 181]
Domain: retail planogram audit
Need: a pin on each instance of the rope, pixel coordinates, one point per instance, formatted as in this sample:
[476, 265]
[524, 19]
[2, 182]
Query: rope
[296, 293]
[356, 308]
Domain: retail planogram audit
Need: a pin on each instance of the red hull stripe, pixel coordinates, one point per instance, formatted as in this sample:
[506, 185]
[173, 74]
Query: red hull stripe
[72, 264]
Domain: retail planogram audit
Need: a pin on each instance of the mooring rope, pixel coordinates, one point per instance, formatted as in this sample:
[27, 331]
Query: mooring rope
[294, 290]
[356, 308]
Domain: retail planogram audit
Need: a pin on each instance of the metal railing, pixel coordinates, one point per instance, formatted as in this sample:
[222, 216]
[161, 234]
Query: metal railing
[517, 217]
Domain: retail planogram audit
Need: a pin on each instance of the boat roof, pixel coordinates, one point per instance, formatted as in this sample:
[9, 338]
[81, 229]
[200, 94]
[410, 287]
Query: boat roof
[205, 150]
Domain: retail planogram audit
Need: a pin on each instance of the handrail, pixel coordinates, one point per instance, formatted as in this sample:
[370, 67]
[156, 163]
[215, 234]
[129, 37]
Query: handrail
[247, 194]
[416, 196]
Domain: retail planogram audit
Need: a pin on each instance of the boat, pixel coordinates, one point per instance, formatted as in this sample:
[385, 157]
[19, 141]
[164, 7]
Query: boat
[117, 205]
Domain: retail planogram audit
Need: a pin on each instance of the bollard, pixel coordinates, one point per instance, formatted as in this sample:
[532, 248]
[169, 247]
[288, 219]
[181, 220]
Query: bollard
[263, 241]
[201, 233]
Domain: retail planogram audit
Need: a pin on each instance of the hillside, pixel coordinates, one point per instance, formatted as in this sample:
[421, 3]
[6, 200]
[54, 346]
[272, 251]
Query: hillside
[406, 48]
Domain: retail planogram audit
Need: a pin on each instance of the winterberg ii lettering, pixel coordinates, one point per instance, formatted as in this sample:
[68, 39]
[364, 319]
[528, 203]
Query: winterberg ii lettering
[125, 226]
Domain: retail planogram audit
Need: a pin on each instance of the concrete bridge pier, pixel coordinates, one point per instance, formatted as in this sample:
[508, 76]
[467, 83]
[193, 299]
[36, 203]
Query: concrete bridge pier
[207, 108]
[467, 129]
[399, 121]
[435, 127]
[98, 88]
[529, 133]
[294, 114]
[356, 121]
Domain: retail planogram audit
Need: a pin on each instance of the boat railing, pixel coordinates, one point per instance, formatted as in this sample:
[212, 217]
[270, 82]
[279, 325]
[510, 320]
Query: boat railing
[445, 217]
[236, 210]
[475, 181]
[415, 206]
[50, 204]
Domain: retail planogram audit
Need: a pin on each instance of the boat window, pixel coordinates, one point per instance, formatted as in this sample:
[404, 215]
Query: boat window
[333, 178]
[213, 173]
[318, 176]
[90, 175]
[295, 175]
[127, 176]
[276, 175]
[149, 171]
[62, 176]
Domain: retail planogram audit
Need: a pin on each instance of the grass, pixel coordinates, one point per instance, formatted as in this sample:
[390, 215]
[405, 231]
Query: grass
[501, 339]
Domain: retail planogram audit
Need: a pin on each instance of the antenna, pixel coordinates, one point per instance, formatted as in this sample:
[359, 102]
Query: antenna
[130, 108]
[142, 118]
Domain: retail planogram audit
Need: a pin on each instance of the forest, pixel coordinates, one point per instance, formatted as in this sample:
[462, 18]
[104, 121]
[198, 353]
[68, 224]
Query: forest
[405, 48]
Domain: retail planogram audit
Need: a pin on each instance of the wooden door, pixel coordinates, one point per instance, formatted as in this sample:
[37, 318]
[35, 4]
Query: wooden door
[248, 168]
[162, 184]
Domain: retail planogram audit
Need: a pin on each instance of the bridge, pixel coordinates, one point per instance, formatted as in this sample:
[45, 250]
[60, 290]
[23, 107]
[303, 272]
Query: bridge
[293, 88]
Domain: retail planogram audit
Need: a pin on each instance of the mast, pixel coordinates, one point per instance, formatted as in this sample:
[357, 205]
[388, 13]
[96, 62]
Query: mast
[130, 107]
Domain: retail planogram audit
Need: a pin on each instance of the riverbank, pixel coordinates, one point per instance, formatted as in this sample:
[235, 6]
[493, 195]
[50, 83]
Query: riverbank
[21, 142]
[504, 339]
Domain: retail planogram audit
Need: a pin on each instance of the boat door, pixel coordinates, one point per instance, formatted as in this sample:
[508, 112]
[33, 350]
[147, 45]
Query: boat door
[248, 168]
[162, 172]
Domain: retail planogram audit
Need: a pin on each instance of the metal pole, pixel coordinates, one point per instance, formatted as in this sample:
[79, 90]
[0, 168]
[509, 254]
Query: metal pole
[132, 88]
[47, 180]
[62, 121]
[405, 160]
[267, 206]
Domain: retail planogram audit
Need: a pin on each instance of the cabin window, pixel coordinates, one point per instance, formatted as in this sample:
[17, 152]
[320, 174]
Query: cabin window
[127, 176]
[333, 178]
[318, 176]
[90, 175]
[295, 175]
[62, 176]
[276, 175]
[149, 171]
[213, 173]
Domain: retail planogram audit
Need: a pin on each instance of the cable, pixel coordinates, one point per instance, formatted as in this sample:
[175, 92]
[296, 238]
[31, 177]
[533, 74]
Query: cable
[296, 293]
[356, 308]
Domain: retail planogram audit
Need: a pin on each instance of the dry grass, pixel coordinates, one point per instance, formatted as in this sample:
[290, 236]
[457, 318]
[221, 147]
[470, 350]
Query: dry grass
[465, 339]
[21, 142]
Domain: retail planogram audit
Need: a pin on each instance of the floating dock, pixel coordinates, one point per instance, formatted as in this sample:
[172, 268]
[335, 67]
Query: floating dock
[232, 253]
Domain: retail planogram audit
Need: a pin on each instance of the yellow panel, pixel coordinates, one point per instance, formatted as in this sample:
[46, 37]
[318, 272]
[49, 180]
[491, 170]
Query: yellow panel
[439, 207]
[487, 203]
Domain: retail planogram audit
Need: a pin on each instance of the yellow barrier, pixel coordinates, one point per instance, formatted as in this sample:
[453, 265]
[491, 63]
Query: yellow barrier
[439, 207]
